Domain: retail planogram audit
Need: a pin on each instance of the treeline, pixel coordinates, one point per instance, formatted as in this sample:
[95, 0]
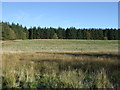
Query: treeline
[16, 31]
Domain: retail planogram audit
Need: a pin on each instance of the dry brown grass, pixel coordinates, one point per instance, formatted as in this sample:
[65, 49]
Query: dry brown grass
[60, 64]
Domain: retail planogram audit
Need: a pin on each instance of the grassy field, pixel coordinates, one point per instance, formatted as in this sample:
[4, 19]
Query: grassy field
[60, 64]
[60, 45]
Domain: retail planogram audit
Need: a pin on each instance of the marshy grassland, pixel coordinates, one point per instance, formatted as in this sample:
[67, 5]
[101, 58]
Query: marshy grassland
[60, 64]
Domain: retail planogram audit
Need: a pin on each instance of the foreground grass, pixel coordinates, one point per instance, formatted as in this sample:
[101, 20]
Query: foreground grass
[61, 70]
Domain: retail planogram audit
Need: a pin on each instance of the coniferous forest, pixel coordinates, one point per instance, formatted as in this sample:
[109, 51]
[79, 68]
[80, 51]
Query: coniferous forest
[16, 31]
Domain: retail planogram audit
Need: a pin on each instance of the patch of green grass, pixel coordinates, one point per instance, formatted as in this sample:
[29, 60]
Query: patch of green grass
[60, 45]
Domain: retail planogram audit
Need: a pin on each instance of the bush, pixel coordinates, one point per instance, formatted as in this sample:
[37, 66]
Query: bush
[105, 38]
[55, 36]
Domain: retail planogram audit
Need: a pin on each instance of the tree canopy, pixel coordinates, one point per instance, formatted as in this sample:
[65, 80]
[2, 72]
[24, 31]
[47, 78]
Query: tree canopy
[16, 31]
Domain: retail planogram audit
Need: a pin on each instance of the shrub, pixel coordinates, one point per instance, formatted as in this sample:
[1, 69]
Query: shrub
[55, 36]
[105, 38]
